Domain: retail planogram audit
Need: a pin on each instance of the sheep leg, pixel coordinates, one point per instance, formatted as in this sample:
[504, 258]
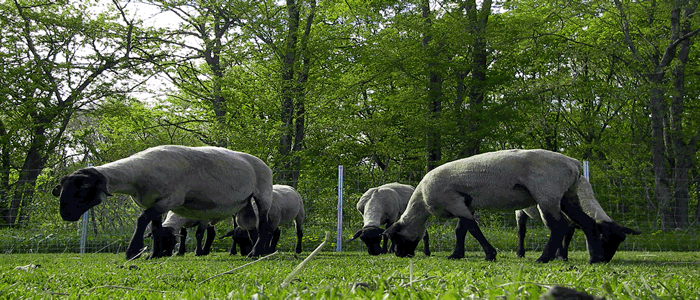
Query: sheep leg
[211, 234]
[183, 238]
[300, 234]
[136, 243]
[426, 244]
[386, 240]
[563, 251]
[199, 234]
[557, 232]
[158, 233]
[467, 224]
[233, 247]
[521, 219]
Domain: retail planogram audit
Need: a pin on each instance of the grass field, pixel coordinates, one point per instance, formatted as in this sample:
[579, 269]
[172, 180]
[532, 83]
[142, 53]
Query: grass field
[346, 275]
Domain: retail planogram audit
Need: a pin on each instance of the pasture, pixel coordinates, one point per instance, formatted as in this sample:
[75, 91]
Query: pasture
[346, 275]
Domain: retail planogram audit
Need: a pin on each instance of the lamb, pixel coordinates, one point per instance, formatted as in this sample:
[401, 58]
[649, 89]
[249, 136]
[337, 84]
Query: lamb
[508, 180]
[194, 182]
[286, 207]
[379, 206]
[176, 223]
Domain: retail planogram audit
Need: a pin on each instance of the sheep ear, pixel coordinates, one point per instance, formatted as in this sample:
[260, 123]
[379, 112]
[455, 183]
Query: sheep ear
[629, 230]
[56, 190]
[389, 232]
[102, 186]
[357, 235]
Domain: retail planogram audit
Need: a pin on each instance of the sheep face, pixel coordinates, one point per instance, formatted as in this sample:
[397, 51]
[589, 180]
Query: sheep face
[405, 247]
[372, 237]
[610, 236]
[79, 192]
[164, 241]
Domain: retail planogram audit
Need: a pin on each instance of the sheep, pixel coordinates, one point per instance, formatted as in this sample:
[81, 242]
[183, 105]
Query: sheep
[383, 205]
[193, 182]
[176, 223]
[240, 239]
[286, 207]
[507, 180]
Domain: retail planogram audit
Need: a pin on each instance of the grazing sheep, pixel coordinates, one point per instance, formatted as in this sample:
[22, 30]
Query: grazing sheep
[508, 180]
[286, 207]
[521, 217]
[240, 239]
[383, 205]
[176, 223]
[193, 182]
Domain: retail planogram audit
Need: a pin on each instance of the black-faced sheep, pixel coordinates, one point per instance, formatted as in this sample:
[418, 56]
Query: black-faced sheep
[193, 182]
[286, 207]
[507, 180]
[240, 239]
[382, 206]
[176, 223]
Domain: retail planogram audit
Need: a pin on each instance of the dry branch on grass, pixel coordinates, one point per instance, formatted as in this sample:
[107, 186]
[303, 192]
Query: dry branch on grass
[301, 265]
[234, 269]
[128, 288]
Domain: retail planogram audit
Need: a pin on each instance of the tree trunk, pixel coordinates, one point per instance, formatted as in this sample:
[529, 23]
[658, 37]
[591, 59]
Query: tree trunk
[24, 188]
[4, 172]
[434, 94]
[477, 20]
[658, 154]
[682, 152]
[285, 167]
[212, 55]
[293, 113]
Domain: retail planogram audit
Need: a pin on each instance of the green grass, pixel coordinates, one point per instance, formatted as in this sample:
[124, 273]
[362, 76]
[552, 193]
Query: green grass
[347, 275]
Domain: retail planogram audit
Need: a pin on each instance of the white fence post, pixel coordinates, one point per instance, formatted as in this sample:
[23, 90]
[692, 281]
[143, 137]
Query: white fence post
[83, 229]
[586, 171]
[339, 238]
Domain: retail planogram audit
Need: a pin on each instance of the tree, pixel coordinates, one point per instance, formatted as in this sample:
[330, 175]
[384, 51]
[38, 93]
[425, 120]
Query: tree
[660, 53]
[61, 59]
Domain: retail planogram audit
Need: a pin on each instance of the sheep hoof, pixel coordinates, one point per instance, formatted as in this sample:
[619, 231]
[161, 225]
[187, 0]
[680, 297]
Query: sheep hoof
[456, 256]
[542, 260]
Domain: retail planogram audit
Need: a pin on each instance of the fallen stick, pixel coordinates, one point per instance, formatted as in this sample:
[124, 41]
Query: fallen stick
[301, 265]
[234, 269]
[129, 288]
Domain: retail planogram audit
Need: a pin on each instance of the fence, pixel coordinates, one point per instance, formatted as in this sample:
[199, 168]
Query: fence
[108, 227]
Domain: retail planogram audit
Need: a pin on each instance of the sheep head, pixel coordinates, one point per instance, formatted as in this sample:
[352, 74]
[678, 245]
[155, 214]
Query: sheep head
[405, 247]
[372, 237]
[164, 241]
[240, 239]
[609, 236]
[79, 192]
